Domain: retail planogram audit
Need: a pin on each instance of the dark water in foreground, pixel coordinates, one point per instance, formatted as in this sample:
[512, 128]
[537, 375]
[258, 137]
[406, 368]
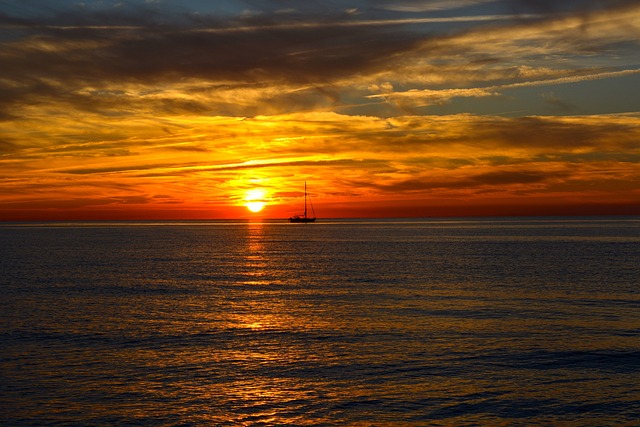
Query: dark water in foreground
[390, 323]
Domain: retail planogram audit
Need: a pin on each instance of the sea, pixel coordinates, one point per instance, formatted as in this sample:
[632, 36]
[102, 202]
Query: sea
[410, 322]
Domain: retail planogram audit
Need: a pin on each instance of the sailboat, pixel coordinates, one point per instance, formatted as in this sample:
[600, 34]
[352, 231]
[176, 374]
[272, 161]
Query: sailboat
[304, 218]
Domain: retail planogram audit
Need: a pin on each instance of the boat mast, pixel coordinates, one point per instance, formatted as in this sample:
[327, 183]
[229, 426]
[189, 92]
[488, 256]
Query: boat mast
[305, 199]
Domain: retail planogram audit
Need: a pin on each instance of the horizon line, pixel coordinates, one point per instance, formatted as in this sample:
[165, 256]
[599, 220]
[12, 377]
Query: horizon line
[328, 219]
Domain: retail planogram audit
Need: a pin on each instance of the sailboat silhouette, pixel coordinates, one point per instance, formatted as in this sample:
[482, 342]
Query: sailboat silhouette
[304, 218]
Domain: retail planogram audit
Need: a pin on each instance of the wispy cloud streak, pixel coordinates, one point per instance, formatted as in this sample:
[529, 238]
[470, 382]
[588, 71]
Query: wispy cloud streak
[427, 96]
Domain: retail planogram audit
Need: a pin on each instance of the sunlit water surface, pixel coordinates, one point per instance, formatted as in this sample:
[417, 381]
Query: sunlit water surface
[388, 323]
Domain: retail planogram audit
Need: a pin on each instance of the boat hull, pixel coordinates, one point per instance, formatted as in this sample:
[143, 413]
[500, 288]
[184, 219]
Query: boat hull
[301, 219]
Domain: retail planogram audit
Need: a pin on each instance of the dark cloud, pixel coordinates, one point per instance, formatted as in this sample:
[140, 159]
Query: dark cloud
[135, 46]
[559, 135]
[494, 179]
[53, 51]
[424, 139]
[52, 57]
[190, 148]
[438, 162]
[7, 147]
[513, 177]
[564, 6]
[75, 202]
[171, 168]
[590, 157]
[112, 169]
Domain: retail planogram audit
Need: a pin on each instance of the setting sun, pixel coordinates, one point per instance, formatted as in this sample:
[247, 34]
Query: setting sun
[255, 206]
[255, 199]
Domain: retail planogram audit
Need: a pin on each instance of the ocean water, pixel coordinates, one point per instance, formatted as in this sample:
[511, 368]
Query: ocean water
[496, 322]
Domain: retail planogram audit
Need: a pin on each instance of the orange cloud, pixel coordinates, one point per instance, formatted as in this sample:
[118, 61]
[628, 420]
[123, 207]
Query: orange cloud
[348, 159]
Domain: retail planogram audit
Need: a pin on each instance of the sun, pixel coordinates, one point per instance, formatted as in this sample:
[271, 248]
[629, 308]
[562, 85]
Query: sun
[255, 206]
[255, 200]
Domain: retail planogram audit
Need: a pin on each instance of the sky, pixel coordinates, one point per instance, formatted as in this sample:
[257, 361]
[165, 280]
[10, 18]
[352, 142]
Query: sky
[157, 109]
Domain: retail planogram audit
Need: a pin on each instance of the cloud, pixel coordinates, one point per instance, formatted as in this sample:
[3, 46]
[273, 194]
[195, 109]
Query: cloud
[436, 5]
[7, 147]
[351, 157]
[173, 170]
[494, 181]
[555, 7]
[569, 34]
[207, 48]
[95, 68]
[107, 59]
[230, 142]
[515, 177]
[428, 97]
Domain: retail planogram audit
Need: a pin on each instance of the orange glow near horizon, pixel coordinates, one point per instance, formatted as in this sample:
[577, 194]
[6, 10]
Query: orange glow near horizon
[380, 173]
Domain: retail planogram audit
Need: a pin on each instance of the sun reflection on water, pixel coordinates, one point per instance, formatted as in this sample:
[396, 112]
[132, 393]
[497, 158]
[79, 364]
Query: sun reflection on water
[269, 322]
[255, 262]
